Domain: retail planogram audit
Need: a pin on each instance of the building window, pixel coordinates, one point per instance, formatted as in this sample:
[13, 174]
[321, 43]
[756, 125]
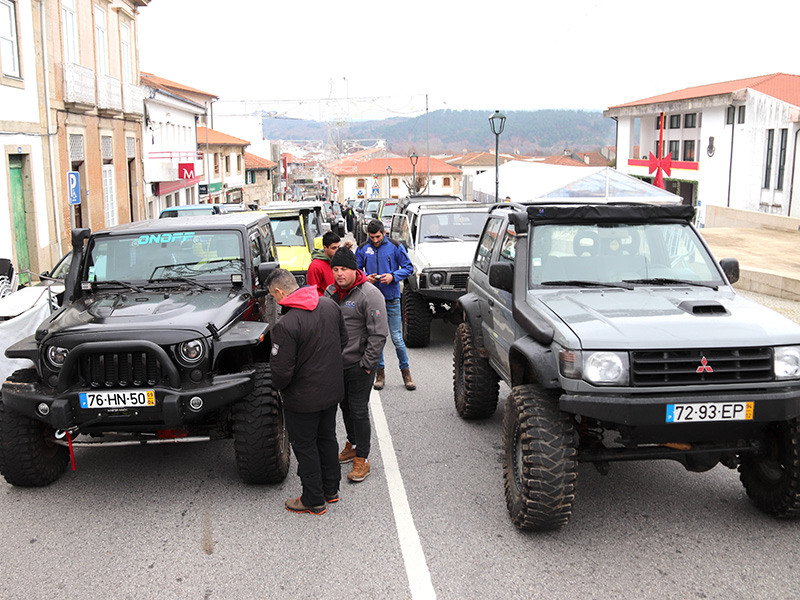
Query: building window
[101, 40]
[658, 122]
[227, 164]
[659, 152]
[690, 120]
[675, 149]
[109, 198]
[238, 163]
[446, 182]
[69, 29]
[125, 52]
[741, 114]
[782, 158]
[361, 183]
[216, 164]
[395, 182]
[674, 121]
[730, 116]
[9, 43]
[768, 161]
[688, 150]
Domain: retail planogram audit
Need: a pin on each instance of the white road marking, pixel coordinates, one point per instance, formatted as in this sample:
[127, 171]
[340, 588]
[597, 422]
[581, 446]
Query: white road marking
[419, 576]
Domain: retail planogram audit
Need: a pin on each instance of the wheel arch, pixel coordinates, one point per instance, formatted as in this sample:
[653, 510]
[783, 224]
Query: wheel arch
[471, 309]
[531, 362]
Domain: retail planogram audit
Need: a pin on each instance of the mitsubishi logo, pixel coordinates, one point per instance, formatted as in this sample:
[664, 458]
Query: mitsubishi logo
[704, 366]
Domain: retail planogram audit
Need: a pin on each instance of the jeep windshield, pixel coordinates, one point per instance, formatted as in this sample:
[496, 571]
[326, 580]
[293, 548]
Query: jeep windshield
[636, 254]
[288, 231]
[451, 225]
[165, 257]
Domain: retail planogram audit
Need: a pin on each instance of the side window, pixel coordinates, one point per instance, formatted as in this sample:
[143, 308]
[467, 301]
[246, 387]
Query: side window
[255, 248]
[267, 233]
[508, 247]
[486, 246]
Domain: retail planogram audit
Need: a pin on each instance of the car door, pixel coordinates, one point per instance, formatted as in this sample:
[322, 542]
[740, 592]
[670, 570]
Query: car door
[505, 328]
[479, 285]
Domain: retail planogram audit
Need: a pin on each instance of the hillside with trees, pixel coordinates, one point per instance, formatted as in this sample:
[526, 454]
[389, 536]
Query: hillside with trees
[541, 132]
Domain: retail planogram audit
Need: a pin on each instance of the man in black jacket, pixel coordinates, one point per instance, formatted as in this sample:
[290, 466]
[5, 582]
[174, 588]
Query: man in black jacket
[307, 367]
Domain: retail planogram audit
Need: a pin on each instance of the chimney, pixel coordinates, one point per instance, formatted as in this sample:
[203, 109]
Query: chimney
[566, 152]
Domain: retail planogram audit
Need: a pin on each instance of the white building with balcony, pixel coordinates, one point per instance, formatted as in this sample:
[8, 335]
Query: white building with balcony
[730, 144]
[173, 167]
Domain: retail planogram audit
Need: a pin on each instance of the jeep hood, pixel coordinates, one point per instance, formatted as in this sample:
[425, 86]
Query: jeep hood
[666, 318]
[174, 309]
[448, 253]
[294, 258]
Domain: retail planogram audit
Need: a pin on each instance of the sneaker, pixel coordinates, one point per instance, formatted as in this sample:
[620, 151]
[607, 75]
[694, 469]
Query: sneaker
[360, 469]
[407, 381]
[348, 454]
[297, 506]
[331, 498]
[380, 379]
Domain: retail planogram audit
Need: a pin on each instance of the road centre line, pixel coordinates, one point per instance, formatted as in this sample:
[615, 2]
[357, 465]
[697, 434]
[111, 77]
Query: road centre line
[419, 576]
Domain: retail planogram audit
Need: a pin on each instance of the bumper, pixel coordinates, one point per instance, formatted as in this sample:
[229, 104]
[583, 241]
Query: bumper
[171, 409]
[437, 294]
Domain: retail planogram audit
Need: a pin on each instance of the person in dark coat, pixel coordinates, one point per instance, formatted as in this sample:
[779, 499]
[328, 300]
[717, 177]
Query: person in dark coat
[307, 368]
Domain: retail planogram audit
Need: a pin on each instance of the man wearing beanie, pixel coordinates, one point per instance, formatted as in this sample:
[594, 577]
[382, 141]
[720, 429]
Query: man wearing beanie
[364, 314]
[386, 264]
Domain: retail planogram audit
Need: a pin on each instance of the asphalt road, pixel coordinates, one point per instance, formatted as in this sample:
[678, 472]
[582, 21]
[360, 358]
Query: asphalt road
[174, 521]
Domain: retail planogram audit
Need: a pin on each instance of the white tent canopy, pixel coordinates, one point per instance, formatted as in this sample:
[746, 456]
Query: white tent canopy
[525, 182]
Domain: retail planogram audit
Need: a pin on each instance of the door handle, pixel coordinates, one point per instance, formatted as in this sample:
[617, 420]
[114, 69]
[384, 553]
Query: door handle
[491, 302]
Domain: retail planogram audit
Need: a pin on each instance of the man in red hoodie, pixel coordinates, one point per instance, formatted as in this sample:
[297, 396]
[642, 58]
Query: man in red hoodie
[306, 365]
[319, 271]
[364, 312]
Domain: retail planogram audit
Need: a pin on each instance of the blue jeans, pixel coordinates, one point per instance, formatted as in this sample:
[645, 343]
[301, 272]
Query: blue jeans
[396, 333]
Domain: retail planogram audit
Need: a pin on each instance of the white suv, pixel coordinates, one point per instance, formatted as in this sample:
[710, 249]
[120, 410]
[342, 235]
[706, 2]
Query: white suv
[441, 239]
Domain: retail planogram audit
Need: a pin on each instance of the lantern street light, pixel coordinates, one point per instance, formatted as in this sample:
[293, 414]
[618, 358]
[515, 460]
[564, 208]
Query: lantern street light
[414, 159]
[388, 182]
[498, 123]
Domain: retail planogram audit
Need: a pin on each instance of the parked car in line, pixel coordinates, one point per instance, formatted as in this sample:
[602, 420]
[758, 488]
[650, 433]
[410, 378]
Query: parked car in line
[364, 216]
[25, 297]
[193, 210]
[298, 227]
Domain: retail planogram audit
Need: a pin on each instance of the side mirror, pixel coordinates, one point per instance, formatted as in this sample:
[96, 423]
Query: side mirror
[264, 269]
[730, 266]
[501, 276]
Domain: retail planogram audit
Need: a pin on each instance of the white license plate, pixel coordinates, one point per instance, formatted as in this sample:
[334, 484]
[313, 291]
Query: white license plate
[709, 411]
[118, 399]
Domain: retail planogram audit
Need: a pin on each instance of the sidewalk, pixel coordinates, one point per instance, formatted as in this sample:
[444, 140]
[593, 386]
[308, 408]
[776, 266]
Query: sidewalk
[769, 260]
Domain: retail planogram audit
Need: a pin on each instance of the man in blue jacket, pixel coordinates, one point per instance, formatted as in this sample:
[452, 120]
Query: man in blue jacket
[386, 264]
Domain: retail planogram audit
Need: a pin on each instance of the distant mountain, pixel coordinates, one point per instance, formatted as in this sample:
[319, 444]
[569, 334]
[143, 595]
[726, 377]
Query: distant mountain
[527, 132]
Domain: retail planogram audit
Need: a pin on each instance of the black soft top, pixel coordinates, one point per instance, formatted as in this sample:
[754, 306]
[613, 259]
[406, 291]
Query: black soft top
[601, 213]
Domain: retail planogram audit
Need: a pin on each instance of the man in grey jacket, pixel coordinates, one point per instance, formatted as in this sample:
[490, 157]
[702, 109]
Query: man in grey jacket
[364, 312]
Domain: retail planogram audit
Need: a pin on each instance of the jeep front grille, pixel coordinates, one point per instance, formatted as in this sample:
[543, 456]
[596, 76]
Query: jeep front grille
[124, 369]
[697, 367]
[459, 280]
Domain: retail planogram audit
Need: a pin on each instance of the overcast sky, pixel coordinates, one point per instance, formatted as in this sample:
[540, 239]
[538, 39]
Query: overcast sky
[368, 59]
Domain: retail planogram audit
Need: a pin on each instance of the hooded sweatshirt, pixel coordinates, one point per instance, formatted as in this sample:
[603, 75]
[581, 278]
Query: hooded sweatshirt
[306, 359]
[319, 271]
[364, 312]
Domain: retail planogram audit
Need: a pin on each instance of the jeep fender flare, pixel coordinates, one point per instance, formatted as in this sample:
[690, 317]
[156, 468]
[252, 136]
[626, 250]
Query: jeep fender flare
[470, 306]
[531, 362]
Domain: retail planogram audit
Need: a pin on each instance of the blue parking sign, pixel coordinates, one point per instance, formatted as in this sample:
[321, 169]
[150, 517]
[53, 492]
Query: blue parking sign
[74, 187]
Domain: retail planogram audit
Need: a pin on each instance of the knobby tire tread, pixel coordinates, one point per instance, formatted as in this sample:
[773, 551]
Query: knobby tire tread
[476, 386]
[416, 319]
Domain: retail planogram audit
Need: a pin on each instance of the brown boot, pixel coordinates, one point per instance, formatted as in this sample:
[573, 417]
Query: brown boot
[380, 379]
[347, 454]
[409, 383]
[360, 469]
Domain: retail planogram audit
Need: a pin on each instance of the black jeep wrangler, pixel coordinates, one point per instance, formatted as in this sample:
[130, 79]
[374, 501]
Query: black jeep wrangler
[621, 338]
[163, 337]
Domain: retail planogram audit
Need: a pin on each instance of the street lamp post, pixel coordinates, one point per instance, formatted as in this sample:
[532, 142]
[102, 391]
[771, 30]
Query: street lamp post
[498, 123]
[388, 182]
[414, 159]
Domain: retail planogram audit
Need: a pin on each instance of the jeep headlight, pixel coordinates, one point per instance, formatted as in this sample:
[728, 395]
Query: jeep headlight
[787, 362]
[436, 278]
[598, 368]
[56, 355]
[191, 352]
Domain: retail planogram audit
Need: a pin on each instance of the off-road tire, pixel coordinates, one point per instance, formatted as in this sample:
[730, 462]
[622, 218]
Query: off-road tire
[417, 317]
[772, 478]
[29, 455]
[475, 384]
[260, 441]
[539, 465]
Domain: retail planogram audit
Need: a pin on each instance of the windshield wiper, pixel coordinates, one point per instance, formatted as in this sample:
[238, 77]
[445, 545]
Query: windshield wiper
[124, 284]
[440, 236]
[582, 283]
[668, 281]
[180, 279]
[472, 235]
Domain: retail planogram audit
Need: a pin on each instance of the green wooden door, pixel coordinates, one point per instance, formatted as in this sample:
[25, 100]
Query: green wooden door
[20, 219]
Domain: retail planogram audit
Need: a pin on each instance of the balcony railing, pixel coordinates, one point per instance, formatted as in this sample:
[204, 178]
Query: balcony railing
[109, 94]
[79, 86]
[132, 100]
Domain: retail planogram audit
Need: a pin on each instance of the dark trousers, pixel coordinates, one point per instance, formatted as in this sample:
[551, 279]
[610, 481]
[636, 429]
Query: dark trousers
[313, 439]
[355, 408]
